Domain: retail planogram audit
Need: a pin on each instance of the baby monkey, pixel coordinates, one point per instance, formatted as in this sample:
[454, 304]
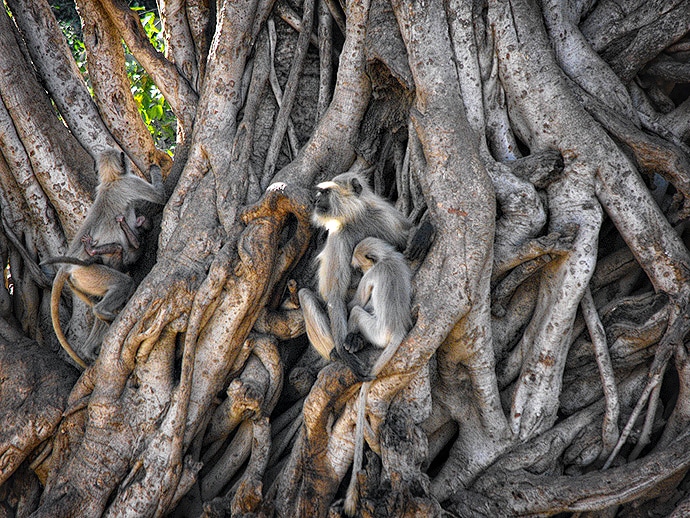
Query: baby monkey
[381, 312]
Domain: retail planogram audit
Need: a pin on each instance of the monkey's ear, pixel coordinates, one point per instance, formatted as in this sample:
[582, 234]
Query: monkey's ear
[356, 186]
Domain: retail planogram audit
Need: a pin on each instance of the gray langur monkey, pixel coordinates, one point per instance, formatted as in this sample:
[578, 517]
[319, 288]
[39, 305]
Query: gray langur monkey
[350, 211]
[381, 311]
[117, 193]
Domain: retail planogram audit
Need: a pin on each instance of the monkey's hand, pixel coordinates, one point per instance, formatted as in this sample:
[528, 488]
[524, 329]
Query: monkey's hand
[354, 342]
[420, 242]
[89, 243]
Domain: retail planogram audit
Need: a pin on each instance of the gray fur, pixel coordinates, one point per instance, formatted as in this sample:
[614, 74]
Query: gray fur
[350, 211]
[116, 195]
[381, 307]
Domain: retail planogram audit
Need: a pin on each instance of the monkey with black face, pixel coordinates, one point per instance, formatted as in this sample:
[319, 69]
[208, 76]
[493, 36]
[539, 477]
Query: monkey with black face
[350, 211]
[117, 194]
[381, 312]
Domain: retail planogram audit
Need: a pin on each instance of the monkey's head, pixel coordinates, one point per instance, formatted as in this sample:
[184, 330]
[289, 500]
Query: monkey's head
[340, 201]
[369, 251]
[111, 165]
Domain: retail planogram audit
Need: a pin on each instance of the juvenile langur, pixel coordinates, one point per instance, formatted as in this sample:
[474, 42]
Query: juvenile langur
[350, 211]
[117, 194]
[380, 310]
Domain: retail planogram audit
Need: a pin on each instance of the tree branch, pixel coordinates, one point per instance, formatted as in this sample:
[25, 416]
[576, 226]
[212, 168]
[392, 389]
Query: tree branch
[174, 86]
[112, 91]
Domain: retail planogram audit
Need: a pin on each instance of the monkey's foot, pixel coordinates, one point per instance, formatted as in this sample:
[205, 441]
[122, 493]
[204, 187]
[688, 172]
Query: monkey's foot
[354, 342]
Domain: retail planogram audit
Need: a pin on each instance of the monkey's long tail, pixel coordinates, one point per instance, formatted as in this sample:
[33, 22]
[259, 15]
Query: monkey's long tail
[352, 495]
[63, 259]
[58, 284]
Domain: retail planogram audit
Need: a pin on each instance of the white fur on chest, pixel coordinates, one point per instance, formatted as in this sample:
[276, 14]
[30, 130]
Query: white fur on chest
[333, 225]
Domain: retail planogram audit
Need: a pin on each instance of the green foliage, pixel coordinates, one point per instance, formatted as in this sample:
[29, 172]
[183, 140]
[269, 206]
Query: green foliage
[153, 107]
[76, 44]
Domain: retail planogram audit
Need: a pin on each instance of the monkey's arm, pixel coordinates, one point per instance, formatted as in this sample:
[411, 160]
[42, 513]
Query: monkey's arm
[316, 323]
[363, 294]
[370, 326]
[132, 239]
[106, 249]
[334, 282]
[420, 241]
[143, 190]
[157, 184]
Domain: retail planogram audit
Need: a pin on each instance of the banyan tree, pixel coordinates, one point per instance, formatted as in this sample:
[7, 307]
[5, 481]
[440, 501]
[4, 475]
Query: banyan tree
[545, 142]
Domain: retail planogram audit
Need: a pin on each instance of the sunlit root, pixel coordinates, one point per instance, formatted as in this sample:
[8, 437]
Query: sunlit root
[503, 292]
[556, 243]
[529, 258]
[284, 429]
[245, 399]
[673, 338]
[283, 324]
[249, 397]
[37, 413]
[248, 496]
[652, 153]
[601, 353]
[632, 327]
[540, 169]
[316, 462]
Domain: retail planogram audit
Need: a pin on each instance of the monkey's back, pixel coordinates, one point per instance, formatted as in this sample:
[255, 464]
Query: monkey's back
[377, 218]
[391, 296]
[113, 200]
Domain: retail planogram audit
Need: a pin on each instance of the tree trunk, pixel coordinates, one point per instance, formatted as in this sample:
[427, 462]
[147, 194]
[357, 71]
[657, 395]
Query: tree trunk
[546, 143]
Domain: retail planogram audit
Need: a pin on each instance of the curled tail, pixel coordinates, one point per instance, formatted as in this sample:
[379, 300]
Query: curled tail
[58, 284]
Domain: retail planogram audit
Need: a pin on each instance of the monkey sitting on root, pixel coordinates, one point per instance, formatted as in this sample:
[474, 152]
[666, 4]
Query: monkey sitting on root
[381, 312]
[350, 211]
[112, 212]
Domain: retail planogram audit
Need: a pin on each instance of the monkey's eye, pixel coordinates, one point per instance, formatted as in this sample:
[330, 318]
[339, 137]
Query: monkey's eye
[356, 186]
[321, 202]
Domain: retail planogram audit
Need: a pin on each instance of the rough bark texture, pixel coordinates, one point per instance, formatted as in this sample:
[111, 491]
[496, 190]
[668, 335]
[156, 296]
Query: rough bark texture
[541, 148]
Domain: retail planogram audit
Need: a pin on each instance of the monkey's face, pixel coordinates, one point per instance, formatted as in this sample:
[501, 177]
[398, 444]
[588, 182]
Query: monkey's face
[323, 203]
[324, 215]
[366, 253]
[362, 262]
[339, 201]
